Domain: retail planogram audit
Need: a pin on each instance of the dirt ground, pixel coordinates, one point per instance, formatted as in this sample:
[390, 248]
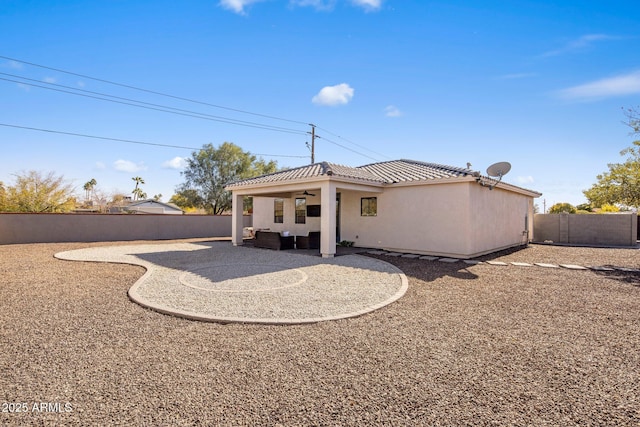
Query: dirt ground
[466, 345]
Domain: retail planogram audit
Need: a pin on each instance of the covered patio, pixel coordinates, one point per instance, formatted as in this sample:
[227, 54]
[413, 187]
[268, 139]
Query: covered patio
[321, 180]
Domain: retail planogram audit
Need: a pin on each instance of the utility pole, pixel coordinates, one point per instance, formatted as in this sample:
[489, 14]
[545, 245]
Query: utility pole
[313, 143]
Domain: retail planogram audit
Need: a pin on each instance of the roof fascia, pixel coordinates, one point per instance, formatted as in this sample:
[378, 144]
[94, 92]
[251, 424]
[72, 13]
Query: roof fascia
[312, 183]
[471, 179]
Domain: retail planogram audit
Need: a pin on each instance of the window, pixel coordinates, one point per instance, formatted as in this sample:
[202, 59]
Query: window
[301, 211]
[369, 206]
[278, 211]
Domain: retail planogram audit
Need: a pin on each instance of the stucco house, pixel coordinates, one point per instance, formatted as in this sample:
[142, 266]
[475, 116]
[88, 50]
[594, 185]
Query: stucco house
[401, 205]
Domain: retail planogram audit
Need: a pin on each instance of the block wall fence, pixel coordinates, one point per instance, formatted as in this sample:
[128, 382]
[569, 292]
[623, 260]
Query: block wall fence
[586, 229]
[51, 228]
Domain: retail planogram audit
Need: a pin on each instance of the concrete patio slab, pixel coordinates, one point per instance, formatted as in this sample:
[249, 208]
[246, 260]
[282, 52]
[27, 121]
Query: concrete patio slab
[600, 268]
[217, 282]
[573, 267]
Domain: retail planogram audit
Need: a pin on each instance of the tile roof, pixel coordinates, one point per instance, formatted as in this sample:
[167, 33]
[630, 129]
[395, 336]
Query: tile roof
[411, 170]
[384, 172]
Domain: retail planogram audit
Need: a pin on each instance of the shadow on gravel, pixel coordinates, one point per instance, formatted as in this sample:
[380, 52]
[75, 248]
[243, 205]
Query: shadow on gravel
[428, 271]
[630, 277]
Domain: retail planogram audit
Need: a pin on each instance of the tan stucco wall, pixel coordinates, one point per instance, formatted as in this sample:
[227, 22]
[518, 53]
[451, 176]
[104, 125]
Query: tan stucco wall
[499, 219]
[459, 219]
[46, 228]
[422, 219]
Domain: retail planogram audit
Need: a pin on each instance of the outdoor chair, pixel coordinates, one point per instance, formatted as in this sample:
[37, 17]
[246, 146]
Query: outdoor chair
[312, 241]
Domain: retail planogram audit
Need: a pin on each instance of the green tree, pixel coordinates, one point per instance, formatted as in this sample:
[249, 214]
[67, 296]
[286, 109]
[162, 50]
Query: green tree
[586, 207]
[621, 184]
[211, 169]
[562, 208]
[186, 199]
[633, 119]
[37, 192]
[137, 191]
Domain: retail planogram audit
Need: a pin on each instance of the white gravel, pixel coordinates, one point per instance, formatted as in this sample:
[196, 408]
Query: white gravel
[219, 282]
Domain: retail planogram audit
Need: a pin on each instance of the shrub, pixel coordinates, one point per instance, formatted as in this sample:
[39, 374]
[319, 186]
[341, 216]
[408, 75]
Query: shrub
[562, 208]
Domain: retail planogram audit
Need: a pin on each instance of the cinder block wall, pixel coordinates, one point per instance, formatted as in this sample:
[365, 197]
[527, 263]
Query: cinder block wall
[50, 228]
[596, 230]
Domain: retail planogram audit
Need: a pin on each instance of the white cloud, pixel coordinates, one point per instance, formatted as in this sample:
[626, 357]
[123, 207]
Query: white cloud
[49, 80]
[392, 111]
[626, 84]
[100, 166]
[368, 5]
[579, 44]
[237, 6]
[525, 179]
[128, 166]
[334, 95]
[175, 163]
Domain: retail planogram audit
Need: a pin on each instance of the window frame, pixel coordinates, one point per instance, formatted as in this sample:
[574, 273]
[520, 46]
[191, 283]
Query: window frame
[301, 214]
[278, 219]
[367, 208]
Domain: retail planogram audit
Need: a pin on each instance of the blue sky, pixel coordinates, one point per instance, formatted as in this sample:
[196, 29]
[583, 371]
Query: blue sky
[541, 84]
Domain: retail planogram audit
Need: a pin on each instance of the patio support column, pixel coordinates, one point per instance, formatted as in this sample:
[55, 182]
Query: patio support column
[328, 219]
[237, 207]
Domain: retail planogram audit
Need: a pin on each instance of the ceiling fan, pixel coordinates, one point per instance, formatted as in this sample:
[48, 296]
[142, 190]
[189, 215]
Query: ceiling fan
[306, 193]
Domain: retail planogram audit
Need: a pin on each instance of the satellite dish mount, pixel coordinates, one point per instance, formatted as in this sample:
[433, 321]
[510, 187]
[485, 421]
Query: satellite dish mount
[495, 172]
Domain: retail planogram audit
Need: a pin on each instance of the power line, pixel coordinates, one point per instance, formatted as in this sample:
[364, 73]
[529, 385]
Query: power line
[148, 105]
[151, 91]
[353, 143]
[173, 110]
[346, 148]
[129, 140]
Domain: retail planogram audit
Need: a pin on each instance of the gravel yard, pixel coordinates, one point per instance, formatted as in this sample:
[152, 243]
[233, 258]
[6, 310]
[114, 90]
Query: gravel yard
[466, 345]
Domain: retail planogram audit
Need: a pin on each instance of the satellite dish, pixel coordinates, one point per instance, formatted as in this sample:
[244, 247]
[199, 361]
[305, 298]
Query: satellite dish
[498, 170]
[495, 171]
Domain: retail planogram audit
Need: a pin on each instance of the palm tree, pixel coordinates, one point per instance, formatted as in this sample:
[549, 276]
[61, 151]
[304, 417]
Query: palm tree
[137, 192]
[88, 188]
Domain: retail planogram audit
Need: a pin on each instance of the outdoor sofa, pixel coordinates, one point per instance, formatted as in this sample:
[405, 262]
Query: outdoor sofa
[273, 240]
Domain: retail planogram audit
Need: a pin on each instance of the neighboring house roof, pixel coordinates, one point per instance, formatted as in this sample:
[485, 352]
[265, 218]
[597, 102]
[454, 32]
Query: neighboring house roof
[140, 205]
